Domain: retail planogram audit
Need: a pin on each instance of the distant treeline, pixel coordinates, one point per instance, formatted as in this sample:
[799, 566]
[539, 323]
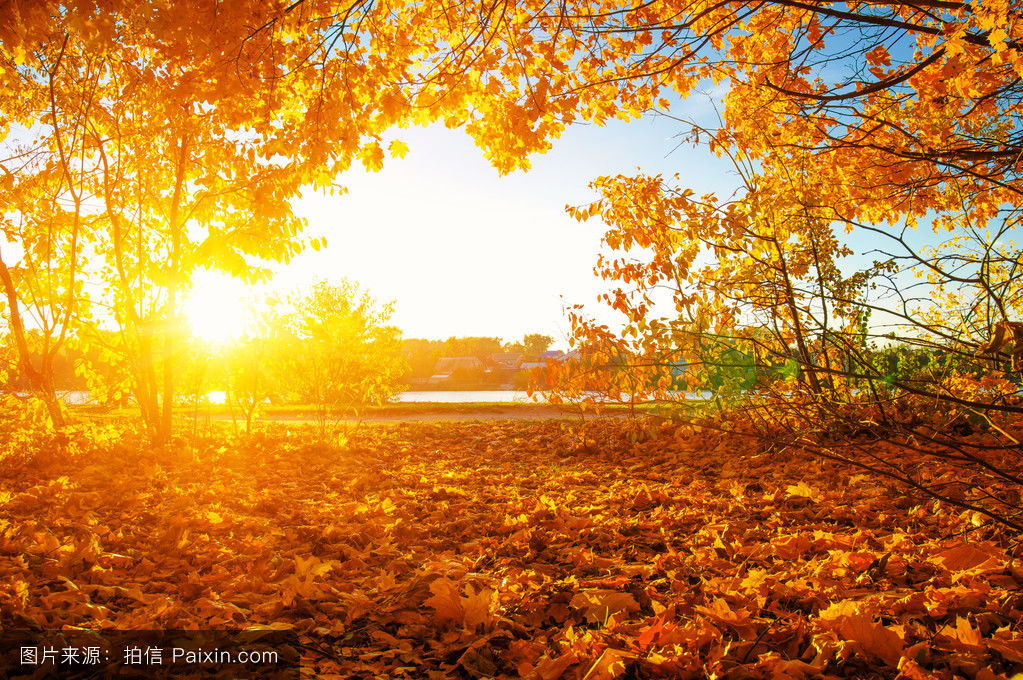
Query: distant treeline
[422, 355]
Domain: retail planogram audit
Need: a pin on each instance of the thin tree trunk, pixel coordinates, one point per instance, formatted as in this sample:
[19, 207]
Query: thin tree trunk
[42, 378]
[797, 325]
[171, 344]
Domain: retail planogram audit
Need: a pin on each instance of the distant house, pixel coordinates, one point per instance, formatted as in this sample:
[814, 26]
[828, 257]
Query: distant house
[505, 366]
[506, 359]
[541, 361]
[458, 370]
[505, 370]
[532, 365]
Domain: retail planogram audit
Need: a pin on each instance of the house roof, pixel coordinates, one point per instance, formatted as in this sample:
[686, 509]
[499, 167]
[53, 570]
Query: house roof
[449, 364]
[510, 359]
[529, 365]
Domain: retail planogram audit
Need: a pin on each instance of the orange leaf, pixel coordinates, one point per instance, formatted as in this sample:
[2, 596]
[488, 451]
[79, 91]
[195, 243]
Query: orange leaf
[608, 666]
[965, 632]
[477, 608]
[599, 605]
[446, 601]
[966, 557]
[873, 638]
[552, 669]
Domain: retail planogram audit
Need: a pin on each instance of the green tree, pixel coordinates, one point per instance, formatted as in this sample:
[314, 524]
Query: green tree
[344, 355]
[531, 343]
[421, 356]
[472, 346]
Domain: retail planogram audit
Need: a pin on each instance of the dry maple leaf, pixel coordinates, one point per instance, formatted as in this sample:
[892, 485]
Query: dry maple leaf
[477, 608]
[599, 605]
[552, 669]
[872, 638]
[608, 666]
[445, 601]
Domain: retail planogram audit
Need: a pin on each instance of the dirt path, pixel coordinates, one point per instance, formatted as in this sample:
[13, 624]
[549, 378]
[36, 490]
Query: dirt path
[429, 415]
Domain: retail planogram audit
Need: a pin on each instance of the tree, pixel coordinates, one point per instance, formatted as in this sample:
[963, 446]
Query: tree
[250, 375]
[421, 357]
[344, 356]
[186, 128]
[925, 129]
[927, 97]
[43, 216]
[192, 141]
[157, 129]
[531, 343]
[927, 124]
[751, 288]
[258, 364]
[471, 346]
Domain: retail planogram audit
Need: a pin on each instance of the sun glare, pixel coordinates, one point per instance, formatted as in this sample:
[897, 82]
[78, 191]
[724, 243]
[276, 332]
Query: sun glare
[217, 308]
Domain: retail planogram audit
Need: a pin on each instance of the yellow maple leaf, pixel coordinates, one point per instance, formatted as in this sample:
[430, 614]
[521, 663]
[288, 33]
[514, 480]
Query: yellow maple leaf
[397, 148]
[802, 490]
[372, 156]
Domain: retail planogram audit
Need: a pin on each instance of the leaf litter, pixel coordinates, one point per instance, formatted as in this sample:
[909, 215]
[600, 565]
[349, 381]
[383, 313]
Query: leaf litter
[540, 550]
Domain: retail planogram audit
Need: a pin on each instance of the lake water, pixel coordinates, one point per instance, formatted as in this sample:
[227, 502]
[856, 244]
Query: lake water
[444, 396]
[411, 397]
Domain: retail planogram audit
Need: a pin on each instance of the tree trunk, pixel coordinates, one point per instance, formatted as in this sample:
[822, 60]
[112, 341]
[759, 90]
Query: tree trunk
[171, 333]
[41, 378]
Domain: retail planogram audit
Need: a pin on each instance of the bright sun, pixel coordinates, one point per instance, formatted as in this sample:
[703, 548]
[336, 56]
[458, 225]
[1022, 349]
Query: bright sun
[217, 307]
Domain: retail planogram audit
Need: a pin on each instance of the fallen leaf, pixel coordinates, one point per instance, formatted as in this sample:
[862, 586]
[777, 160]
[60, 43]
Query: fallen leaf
[599, 605]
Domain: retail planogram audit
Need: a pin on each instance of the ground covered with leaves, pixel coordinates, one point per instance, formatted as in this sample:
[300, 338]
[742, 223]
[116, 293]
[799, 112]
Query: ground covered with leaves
[507, 550]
